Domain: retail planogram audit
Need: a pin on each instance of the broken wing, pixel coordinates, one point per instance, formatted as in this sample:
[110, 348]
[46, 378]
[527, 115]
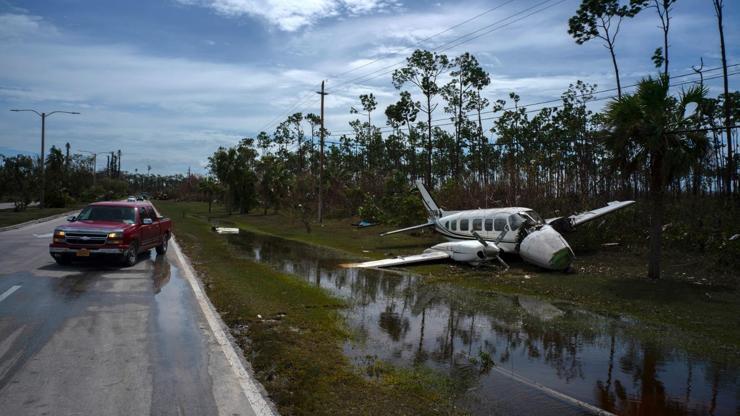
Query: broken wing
[566, 224]
[401, 260]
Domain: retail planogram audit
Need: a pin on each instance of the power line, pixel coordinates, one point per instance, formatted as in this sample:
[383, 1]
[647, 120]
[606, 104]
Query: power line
[306, 96]
[477, 16]
[440, 48]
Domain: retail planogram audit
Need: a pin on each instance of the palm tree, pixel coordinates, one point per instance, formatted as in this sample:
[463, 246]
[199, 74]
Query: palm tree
[650, 127]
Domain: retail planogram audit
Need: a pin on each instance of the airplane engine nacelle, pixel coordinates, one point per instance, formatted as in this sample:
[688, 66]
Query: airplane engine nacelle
[468, 251]
[546, 248]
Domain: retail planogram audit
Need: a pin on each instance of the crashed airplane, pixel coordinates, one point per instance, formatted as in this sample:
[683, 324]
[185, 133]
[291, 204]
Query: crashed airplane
[481, 235]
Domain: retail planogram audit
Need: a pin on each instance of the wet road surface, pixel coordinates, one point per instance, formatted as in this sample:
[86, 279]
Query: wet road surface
[511, 355]
[93, 338]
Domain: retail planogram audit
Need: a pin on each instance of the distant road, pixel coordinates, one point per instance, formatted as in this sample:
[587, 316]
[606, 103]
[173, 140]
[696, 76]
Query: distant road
[94, 339]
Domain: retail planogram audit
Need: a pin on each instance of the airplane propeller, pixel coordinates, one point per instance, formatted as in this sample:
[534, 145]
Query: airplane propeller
[486, 245]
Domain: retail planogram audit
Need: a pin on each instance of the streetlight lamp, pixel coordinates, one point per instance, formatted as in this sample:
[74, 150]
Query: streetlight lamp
[43, 138]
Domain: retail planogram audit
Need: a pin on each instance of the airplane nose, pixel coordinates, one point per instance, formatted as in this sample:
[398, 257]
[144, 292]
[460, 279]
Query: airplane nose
[546, 248]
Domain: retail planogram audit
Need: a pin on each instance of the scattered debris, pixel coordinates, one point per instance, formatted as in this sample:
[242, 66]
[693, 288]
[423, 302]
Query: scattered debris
[526, 276]
[259, 316]
[364, 224]
[609, 244]
[735, 237]
[225, 230]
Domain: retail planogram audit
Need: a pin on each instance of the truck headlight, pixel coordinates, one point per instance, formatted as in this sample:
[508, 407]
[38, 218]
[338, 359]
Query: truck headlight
[58, 236]
[115, 237]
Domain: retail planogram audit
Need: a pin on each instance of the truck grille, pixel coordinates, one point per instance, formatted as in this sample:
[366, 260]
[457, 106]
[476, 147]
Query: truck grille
[85, 238]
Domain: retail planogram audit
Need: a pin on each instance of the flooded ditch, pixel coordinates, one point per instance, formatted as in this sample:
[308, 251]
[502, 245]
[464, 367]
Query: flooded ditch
[508, 354]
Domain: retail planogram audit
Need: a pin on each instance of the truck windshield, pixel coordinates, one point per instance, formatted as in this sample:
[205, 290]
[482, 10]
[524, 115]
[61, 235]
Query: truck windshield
[108, 213]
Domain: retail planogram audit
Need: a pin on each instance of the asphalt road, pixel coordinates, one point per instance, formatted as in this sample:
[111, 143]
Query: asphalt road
[93, 338]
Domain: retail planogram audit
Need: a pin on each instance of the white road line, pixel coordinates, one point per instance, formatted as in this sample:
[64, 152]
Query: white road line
[251, 387]
[9, 292]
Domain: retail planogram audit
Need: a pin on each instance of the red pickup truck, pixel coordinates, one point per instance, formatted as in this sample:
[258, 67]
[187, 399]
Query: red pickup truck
[118, 229]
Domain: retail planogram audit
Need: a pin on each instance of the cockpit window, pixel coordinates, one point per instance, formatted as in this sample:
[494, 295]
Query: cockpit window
[515, 221]
[454, 225]
[535, 216]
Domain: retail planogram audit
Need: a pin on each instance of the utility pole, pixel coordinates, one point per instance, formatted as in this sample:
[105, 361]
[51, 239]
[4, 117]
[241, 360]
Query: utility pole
[43, 143]
[119, 163]
[321, 156]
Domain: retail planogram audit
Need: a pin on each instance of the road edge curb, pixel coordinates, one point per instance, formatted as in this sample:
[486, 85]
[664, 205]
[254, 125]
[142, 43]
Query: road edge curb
[36, 221]
[252, 389]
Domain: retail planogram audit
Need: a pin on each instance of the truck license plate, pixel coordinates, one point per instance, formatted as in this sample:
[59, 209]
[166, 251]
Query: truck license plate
[83, 252]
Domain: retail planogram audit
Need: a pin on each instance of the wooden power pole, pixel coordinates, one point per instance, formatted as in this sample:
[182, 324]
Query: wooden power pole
[321, 156]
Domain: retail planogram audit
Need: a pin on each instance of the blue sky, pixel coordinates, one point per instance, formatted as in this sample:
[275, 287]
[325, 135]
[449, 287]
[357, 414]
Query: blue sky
[168, 81]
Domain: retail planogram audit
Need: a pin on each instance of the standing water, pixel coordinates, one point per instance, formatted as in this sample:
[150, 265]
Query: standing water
[509, 354]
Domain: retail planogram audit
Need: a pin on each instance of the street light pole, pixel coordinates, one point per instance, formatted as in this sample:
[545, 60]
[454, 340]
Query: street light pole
[43, 147]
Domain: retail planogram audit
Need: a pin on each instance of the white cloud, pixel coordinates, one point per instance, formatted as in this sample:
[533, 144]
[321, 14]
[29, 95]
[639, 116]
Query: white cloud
[14, 26]
[291, 15]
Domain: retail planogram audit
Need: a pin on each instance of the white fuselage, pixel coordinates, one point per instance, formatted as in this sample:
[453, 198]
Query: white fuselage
[488, 223]
[544, 246]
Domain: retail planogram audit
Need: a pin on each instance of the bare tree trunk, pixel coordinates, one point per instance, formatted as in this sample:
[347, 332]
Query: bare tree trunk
[616, 69]
[429, 143]
[656, 214]
[730, 165]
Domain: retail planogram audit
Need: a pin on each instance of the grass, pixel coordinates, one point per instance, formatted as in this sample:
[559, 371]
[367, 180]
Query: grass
[292, 333]
[9, 217]
[697, 295]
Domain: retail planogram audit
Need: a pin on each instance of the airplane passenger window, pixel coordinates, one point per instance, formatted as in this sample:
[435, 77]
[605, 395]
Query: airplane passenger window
[489, 224]
[464, 225]
[477, 224]
[515, 221]
[499, 223]
[454, 225]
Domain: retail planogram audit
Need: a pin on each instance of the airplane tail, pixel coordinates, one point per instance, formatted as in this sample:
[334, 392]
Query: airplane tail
[429, 204]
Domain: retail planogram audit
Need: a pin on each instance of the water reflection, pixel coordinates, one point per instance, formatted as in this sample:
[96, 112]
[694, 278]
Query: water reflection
[603, 361]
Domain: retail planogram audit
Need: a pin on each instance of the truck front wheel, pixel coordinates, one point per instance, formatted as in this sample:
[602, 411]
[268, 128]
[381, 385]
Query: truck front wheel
[162, 248]
[129, 257]
[63, 260]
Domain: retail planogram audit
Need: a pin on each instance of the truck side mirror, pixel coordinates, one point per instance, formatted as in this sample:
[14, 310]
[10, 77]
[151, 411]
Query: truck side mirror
[146, 221]
[72, 218]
